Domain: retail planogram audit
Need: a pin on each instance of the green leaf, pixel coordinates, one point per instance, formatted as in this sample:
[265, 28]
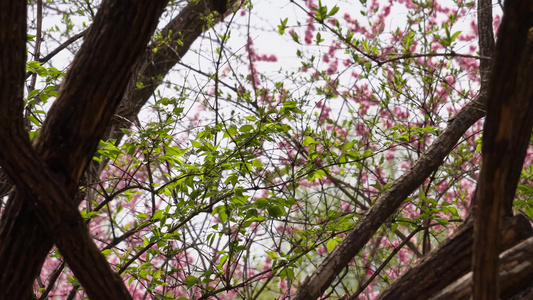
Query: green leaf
[34, 120]
[176, 151]
[261, 203]
[453, 211]
[455, 35]
[295, 38]
[43, 72]
[333, 11]
[33, 64]
[319, 174]
[529, 211]
[288, 272]
[196, 144]
[230, 131]
[348, 146]
[283, 26]
[44, 97]
[319, 38]
[272, 254]
[251, 213]
[404, 221]
[33, 94]
[308, 141]
[222, 261]
[257, 163]
[290, 104]
[525, 189]
[275, 211]
[331, 244]
[142, 215]
[190, 281]
[246, 128]
[404, 137]
[158, 215]
[126, 131]
[442, 221]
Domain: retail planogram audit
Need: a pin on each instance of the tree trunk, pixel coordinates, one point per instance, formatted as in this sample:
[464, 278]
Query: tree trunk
[449, 261]
[185, 29]
[515, 275]
[506, 136]
[67, 141]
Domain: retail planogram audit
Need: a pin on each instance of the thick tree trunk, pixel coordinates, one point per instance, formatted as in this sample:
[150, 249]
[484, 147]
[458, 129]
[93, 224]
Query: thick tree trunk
[92, 89]
[515, 275]
[506, 136]
[449, 261]
[181, 31]
[12, 53]
[185, 29]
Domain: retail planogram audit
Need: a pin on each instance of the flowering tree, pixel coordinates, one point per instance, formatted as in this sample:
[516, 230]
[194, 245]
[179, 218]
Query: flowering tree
[200, 162]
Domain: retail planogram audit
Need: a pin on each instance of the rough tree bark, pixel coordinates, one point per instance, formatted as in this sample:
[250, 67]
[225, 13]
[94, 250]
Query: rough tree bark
[486, 38]
[47, 175]
[506, 136]
[450, 260]
[515, 274]
[185, 29]
[182, 31]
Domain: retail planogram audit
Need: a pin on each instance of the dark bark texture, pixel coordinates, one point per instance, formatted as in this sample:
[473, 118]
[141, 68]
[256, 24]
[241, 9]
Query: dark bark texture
[515, 274]
[506, 136]
[450, 260]
[46, 176]
[186, 28]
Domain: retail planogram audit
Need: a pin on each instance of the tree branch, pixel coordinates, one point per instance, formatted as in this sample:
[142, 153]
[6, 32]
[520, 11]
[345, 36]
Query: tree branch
[515, 274]
[507, 132]
[48, 177]
[319, 281]
[190, 22]
[390, 200]
[450, 260]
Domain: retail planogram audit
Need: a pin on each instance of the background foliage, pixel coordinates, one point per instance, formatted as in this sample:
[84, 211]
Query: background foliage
[269, 140]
